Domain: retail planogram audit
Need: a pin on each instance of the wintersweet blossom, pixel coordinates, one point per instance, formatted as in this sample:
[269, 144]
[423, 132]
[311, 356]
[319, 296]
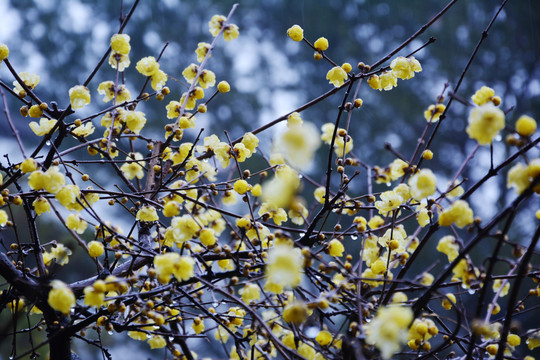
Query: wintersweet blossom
[404, 68]
[41, 205]
[61, 297]
[147, 66]
[521, 176]
[321, 44]
[3, 218]
[298, 144]
[422, 184]
[216, 24]
[389, 329]
[120, 43]
[483, 95]
[296, 33]
[250, 293]
[147, 213]
[134, 120]
[173, 264]
[433, 112]
[95, 249]
[458, 213]
[449, 246]
[76, 223]
[158, 80]
[134, 166]
[336, 76]
[79, 96]
[202, 50]
[284, 268]
[525, 125]
[30, 80]
[44, 127]
[4, 52]
[485, 122]
[230, 32]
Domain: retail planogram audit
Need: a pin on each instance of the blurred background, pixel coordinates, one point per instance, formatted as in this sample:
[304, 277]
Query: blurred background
[270, 75]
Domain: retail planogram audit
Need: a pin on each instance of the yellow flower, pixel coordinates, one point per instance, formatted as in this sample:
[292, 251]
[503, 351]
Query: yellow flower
[182, 229]
[173, 264]
[134, 120]
[448, 301]
[388, 330]
[374, 82]
[59, 253]
[223, 87]
[231, 32]
[297, 212]
[294, 120]
[422, 184]
[298, 144]
[147, 213]
[35, 111]
[295, 313]
[215, 24]
[284, 267]
[389, 202]
[30, 80]
[296, 33]
[483, 95]
[107, 89]
[250, 293]
[147, 66]
[93, 297]
[134, 166]
[525, 125]
[120, 43]
[119, 61]
[485, 122]
[434, 112]
[84, 130]
[61, 297]
[242, 152]
[29, 165]
[375, 222]
[207, 237]
[324, 338]
[404, 68]
[4, 52]
[449, 246]
[190, 73]
[335, 248]
[95, 249]
[41, 205]
[202, 50]
[321, 44]
[518, 177]
[3, 218]
[498, 283]
[388, 80]
[157, 342]
[336, 76]
[75, 223]
[79, 96]
[158, 80]
[242, 187]
[52, 179]
[198, 325]
[68, 195]
[274, 212]
[44, 127]
[458, 213]
[171, 208]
